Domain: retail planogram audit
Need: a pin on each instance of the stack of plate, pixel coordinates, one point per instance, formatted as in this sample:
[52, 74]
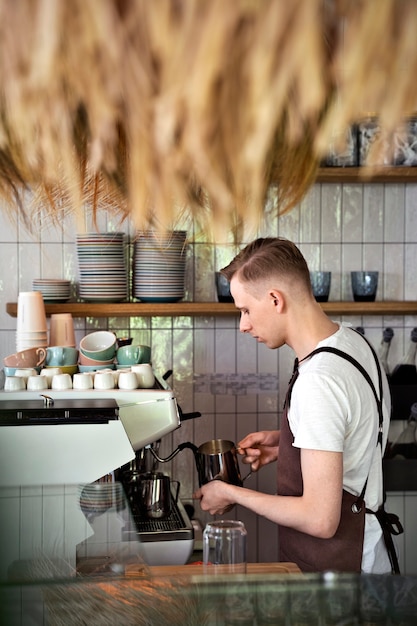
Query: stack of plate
[52, 289]
[102, 266]
[159, 266]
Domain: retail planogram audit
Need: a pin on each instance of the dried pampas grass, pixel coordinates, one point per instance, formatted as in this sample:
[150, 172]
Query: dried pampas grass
[169, 107]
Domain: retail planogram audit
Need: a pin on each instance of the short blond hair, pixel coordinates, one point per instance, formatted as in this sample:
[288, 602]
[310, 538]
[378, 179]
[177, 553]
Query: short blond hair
[268, 257]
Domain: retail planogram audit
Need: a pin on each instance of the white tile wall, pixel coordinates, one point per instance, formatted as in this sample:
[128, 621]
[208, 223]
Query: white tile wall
[339, 227]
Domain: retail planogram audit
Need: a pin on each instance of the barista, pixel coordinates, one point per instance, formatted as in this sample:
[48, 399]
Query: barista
[326, 450]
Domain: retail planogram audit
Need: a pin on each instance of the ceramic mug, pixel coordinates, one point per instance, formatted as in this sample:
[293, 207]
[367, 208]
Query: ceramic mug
[31, 357]
[61, 382]
[37, 383]
[61, 356]
[128, 380]
[14, 383]
[49, 373]
[103, 380]
[144, 374]
[82, 381]
[131, 355]
[25, 372]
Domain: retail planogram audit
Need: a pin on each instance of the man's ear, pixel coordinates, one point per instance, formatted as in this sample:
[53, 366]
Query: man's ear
[277, 299]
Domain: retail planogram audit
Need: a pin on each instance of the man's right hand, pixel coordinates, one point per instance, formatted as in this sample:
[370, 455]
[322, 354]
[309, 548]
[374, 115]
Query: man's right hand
[259, 449]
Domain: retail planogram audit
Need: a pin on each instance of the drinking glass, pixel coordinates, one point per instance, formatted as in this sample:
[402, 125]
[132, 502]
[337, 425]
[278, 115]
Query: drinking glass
[224, 547]
[364, 286]
[320, 283]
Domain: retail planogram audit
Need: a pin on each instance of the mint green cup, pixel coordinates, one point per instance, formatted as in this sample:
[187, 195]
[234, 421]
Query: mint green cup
[132, 355]
[61, 356]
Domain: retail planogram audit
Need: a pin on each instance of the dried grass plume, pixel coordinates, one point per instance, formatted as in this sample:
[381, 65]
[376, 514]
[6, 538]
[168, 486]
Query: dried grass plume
[164, 106]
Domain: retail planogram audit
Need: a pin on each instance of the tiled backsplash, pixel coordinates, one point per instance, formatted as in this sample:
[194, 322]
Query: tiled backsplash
[339, 227]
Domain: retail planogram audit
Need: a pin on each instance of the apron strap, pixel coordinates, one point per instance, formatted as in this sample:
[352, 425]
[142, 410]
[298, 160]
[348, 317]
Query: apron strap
[390, 523]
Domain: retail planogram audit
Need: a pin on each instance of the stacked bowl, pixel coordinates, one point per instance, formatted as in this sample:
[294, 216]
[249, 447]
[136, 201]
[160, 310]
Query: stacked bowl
[159, 266]
[32, 330]
[102, 266]
[97, 351]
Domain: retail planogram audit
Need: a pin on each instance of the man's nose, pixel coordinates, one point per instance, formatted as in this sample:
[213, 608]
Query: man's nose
[244, 326]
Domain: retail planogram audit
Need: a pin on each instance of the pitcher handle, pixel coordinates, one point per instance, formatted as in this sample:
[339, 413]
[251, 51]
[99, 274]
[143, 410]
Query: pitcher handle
[247, 476]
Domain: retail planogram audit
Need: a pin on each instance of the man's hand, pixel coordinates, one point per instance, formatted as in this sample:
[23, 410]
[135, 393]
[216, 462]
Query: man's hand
[259, 449]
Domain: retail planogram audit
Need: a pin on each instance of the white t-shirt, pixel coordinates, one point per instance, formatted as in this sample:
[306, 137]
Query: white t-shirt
[333, 408]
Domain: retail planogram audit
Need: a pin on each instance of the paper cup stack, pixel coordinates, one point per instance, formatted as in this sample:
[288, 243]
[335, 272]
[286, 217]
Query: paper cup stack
[32, 330]
[159, 266]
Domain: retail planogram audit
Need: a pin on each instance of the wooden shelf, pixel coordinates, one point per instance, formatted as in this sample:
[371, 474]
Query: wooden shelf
[208, 309]
[384, 174]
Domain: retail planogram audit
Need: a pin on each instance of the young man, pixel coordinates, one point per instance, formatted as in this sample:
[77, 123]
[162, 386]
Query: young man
[328, 450]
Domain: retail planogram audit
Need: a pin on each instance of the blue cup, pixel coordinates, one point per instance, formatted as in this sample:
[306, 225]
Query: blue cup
[61, 356]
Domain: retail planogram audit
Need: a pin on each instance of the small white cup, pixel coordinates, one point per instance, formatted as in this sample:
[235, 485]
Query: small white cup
[103, 380]
[144, 374]
[61, 382]
[49, 373]
[14, 383]
[37, 383]
[25, 372]
[82, 381]
[128, 380]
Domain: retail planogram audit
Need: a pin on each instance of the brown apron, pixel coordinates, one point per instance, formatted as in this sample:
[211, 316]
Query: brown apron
[343, 552]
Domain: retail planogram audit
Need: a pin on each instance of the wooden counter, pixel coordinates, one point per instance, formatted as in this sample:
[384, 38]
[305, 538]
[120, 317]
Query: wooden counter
[196, 569]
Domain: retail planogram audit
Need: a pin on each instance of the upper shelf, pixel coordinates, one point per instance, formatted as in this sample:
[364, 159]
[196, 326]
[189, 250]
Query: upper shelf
[386, 174]
[178, 309]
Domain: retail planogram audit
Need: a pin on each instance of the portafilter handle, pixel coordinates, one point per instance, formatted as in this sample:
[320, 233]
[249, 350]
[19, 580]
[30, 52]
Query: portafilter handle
[182, 446]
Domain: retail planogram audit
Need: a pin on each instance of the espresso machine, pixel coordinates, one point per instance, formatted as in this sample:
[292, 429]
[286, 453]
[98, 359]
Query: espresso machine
[68, 467]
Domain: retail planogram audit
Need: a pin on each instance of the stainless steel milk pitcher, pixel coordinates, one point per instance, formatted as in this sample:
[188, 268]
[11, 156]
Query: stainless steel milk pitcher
[215, 460]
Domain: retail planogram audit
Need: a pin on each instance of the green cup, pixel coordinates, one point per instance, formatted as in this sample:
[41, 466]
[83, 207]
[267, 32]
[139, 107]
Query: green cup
[59, 356]
[132, 355]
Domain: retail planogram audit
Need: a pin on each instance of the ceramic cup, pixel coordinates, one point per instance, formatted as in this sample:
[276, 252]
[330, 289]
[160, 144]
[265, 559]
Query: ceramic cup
[49, 373]
[103, 380]
[32, 357]
[14, 383]
[100, 345]
[25, 372]
[61, 356]
[37, 383]
[128, 380]
[82, 381]
[131, 355]
[85, 360]
[144, 374]
[61, 330]
[61, 382]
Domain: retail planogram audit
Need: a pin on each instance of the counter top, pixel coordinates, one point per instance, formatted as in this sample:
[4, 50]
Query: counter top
[196, 569]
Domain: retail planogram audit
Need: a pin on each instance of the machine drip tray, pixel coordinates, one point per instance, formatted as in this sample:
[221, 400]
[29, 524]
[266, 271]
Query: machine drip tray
[175, 526]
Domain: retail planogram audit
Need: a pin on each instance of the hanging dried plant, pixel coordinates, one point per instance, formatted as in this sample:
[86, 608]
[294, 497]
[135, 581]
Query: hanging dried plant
[169, 107]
